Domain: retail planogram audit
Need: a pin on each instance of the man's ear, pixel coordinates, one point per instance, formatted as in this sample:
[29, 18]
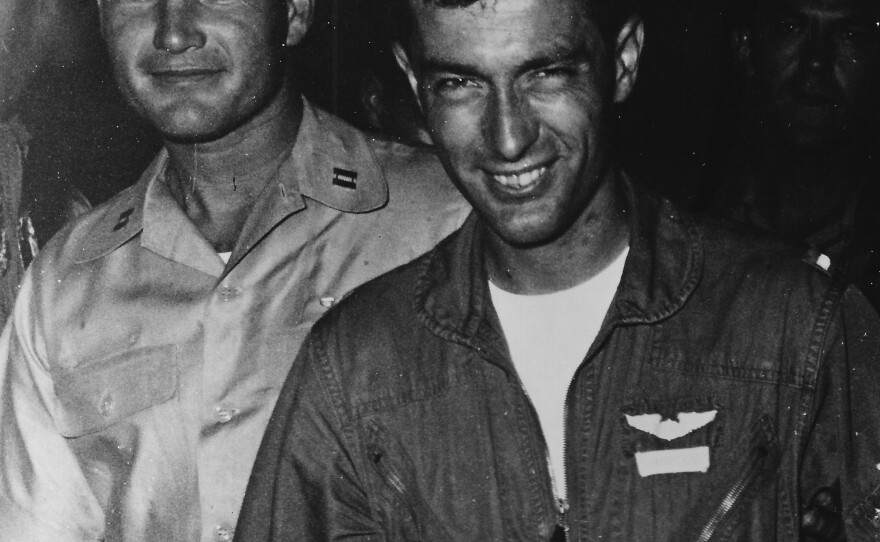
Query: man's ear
[405, 65]
[628, 51]
[741, 44]
[299, 18]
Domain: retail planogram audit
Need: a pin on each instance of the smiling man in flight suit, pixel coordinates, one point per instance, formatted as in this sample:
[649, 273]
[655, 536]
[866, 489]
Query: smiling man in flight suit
[151, 337]
[582, 360]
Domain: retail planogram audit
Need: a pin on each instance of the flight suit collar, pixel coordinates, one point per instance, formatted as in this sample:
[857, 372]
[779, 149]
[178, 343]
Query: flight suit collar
[663, 268]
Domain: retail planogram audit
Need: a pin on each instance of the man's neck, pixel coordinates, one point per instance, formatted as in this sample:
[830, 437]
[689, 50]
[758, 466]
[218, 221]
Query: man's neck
[590, 245]
[217, 182]
[809, 188]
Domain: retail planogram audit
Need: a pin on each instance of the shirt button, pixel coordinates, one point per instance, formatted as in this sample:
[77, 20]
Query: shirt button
[106, 406]
[228, 293]
[225, 414]
[327, 302]
[223, 533]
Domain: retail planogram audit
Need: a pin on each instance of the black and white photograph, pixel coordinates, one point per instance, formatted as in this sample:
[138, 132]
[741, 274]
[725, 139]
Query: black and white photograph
[439, 270]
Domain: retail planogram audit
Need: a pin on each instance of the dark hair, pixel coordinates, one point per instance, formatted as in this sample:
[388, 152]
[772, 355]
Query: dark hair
[609, 15]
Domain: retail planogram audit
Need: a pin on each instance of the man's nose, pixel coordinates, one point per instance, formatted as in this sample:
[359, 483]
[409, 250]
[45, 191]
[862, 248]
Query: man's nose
[511, 125]
[177, 28]
[818, 49]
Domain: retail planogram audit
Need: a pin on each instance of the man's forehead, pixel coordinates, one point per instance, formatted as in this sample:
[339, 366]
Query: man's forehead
[496, 9]
[827, 8]
[545, 27]
[494, 16]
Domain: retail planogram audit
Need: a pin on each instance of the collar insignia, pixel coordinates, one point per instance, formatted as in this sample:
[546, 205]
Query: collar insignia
[345, 178]
[122, 221]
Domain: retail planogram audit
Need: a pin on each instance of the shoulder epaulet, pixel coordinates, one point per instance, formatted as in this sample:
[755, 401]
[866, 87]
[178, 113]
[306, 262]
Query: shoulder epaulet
[819, 261]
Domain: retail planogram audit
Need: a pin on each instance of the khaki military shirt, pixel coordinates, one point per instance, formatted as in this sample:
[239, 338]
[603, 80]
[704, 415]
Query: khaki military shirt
[138, 371]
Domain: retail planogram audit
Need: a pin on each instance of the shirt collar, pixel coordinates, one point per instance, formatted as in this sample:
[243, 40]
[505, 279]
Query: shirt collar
[662, 269]
[331, 163]
[119, 219]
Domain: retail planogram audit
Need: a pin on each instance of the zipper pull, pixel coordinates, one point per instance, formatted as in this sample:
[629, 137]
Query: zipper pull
[562, 526]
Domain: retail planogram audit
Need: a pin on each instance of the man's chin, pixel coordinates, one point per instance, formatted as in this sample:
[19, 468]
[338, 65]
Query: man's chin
[814, 139]
[191, 128]
[190, 136]
[525, 236]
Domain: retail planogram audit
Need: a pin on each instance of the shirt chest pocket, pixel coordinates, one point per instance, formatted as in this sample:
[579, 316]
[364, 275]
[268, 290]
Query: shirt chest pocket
[92, 398]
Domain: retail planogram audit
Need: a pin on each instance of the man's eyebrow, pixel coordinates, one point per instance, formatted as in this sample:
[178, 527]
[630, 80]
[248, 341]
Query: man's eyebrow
[562, 56]
[567, 55]
[435, 65]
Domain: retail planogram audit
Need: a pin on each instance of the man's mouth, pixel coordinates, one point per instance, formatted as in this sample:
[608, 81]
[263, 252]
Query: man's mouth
[180, 70]
[520, 180]
[812, 99]
[183, 74]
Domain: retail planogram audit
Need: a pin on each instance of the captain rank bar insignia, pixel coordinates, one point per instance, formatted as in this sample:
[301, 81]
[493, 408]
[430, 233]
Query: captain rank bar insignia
[345, 178]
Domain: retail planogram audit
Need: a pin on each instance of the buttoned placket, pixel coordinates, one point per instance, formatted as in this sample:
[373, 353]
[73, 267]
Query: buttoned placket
[222, 347]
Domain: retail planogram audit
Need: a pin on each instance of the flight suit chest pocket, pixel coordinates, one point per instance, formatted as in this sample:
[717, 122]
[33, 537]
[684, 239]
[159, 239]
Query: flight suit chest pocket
[92, 398]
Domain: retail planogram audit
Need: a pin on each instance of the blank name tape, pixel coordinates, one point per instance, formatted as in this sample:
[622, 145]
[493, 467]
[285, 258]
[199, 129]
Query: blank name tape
[673, 461]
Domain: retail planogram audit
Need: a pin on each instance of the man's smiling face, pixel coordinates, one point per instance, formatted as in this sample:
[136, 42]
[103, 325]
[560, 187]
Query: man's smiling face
[517, 95]
[196, 69]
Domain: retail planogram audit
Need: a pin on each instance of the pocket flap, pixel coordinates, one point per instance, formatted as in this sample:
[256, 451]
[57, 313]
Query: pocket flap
[90, 399]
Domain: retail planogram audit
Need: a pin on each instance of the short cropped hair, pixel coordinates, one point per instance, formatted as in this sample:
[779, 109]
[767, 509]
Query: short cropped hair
[609, 15]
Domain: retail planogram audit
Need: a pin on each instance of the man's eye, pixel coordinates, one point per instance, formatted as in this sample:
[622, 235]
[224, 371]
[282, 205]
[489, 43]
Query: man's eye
[787, 27]
[554, 72]
[552, 79]
[852, 34]
[453, 85]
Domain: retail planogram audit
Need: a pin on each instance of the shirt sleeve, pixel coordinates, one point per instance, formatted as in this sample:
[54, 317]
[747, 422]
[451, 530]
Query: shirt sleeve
[44, 494]
[304, 485]
[843, 443]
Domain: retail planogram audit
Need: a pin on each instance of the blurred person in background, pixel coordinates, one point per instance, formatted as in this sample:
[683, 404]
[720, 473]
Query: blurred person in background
[31, 32]
[806, 165]
[388, 103]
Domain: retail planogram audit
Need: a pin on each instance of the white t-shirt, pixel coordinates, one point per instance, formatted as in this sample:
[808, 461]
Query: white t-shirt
[224, 256]
[548, 337]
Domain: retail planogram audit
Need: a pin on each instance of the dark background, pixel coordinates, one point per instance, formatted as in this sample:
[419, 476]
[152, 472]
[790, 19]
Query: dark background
[673, 131]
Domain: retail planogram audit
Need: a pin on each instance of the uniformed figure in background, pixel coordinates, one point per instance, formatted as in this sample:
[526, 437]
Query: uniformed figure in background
[151, 337]
[29, 31]
[807, 162]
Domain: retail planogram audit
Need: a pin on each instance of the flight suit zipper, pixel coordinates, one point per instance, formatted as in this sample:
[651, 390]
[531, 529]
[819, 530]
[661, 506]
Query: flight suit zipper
[390, 475]
[734, 495]
[562, 505]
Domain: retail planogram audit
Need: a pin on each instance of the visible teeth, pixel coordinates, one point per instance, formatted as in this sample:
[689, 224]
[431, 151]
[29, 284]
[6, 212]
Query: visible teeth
[521, 180]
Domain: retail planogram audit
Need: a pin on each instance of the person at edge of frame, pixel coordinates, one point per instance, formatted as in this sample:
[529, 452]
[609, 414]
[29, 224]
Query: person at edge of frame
[582, 360]
[151, 336]
[805, 163]
[26, 43]
[387, 101]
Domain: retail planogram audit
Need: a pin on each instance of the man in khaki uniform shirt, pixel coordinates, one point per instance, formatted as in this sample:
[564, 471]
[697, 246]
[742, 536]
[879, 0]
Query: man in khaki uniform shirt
[151, 336]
